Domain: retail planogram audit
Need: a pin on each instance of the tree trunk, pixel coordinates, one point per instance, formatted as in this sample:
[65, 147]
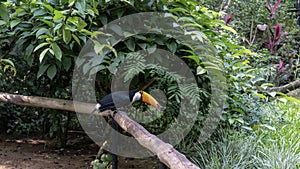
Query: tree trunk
[165, 152]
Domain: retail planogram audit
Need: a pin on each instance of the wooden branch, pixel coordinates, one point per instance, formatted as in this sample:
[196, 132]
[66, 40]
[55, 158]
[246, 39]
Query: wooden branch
[294, 93]
[51, 103]
[165, 152]
[285, 88]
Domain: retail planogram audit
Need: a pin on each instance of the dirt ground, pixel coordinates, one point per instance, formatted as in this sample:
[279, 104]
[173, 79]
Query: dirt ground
[34, 153]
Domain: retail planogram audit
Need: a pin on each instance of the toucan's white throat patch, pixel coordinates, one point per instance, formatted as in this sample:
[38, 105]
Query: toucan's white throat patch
[137, 96]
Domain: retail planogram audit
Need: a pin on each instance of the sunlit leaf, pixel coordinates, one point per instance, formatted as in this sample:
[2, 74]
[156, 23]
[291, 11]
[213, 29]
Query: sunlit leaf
[268, 127]
[229, 29]
[247, 128]
[67, 36]
[49, 23]
[273, 94]
[292, 99]
[81, 24]
[201, 70]
[42, 31]
[2, 22]
[40, 46]
[76, 39]
[14, 23]
[231, 121]
[193, 57]
[48, 7]
[260, 95]
[58, 15]
[42, 55]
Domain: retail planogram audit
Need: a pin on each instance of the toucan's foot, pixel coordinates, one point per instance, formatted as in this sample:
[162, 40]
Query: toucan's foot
[115, 112]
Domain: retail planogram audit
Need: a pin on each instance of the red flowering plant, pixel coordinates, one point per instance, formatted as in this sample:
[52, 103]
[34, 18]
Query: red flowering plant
[275, 39]
[281, 66]
[227, 18]
[272, 10]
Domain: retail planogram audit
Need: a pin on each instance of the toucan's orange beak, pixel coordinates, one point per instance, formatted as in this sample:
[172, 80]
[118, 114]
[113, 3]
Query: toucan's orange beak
[147, 98]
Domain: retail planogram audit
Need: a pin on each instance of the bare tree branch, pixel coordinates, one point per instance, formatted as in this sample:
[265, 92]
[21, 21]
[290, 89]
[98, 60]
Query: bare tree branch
[285, 88]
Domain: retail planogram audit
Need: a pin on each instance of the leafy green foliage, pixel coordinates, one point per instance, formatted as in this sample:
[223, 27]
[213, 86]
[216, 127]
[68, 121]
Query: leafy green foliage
[52, 34]
[103, 163]
[264, 148]
[43, 39]
[259, 24]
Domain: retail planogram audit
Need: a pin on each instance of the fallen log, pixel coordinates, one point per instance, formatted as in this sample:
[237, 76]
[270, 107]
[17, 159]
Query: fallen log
[165, 152]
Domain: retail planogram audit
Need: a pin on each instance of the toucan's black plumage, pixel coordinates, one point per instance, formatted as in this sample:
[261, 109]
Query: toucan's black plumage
[119, 98]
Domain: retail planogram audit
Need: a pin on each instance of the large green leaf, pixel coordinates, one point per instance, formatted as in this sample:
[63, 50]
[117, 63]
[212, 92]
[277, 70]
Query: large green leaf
[42, 31]
[81, 6]
[49, 23]
[2, 22]
[201, 70]
[67, 62]
[4, 12]
[58, 15]
[14, 23]
[81, 24]
[51, 72]
[172, 47]
[8, 62]
[67, 36]
[40, 46]
[39, 12]
[48, 7]
[57, 51]
[43, 53]
[29, 55]
[42, 70]
[76, 39]
[130, 43]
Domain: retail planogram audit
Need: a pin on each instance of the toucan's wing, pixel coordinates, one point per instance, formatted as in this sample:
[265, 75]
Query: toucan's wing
[119, 99]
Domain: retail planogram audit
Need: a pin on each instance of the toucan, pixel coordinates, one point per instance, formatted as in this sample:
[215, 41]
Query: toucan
[121, 99]
[124, 98]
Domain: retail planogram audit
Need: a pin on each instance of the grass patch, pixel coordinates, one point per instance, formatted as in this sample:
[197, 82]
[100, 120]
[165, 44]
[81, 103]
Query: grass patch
[263, 148]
